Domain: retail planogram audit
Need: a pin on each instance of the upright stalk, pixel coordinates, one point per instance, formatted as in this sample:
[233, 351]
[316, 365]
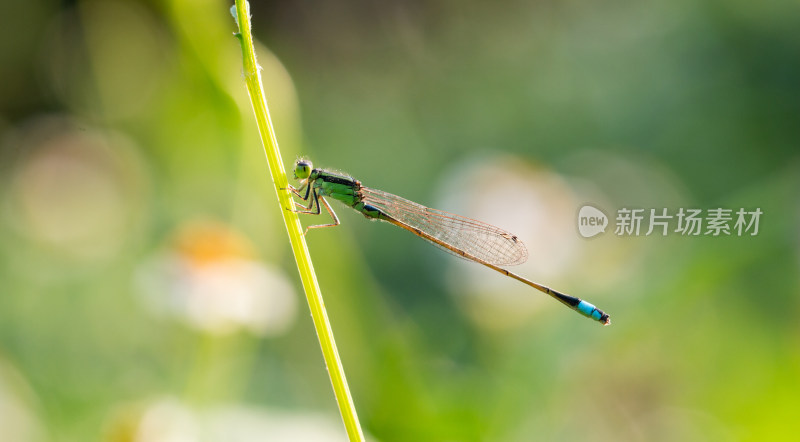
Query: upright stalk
[252, 77]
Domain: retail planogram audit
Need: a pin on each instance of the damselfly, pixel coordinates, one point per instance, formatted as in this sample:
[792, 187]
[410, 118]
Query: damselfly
[470, 239]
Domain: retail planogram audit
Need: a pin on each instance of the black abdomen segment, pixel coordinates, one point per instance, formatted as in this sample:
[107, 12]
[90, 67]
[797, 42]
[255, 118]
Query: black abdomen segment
[370, 211]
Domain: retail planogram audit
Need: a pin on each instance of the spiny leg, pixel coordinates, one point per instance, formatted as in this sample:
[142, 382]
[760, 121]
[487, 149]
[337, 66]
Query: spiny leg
[330, 211]
[308, 211]
[311, 194]
[296, 190]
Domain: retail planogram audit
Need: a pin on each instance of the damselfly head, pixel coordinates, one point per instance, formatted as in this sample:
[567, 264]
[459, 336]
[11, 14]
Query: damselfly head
[302, 169]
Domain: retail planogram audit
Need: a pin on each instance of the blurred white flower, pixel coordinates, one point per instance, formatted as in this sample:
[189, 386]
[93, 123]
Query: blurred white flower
[76, 192]
[18, 422]
[169, 420]
[533, 203]
[208, 279]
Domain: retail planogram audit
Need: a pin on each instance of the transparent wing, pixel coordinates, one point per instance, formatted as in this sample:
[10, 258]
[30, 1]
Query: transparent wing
[484, 241]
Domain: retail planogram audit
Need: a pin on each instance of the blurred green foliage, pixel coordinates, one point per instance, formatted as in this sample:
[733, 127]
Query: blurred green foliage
[125, 126]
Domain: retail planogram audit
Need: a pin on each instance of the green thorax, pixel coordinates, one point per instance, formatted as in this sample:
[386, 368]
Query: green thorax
[336, 185]
[343, 188]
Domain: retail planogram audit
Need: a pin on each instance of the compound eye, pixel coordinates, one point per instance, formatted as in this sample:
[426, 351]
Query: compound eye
[302, 169]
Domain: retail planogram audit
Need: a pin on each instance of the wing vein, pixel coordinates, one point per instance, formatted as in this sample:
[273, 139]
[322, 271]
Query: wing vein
[484, 241]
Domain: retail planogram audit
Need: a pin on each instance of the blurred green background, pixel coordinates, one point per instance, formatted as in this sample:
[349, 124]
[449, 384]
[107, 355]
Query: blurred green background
[148, 293]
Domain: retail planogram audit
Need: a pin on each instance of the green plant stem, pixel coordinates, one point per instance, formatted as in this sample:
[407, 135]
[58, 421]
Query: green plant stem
[324, 333]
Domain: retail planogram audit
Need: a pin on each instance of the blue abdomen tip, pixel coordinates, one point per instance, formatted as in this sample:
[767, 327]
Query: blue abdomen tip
[589, 310]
